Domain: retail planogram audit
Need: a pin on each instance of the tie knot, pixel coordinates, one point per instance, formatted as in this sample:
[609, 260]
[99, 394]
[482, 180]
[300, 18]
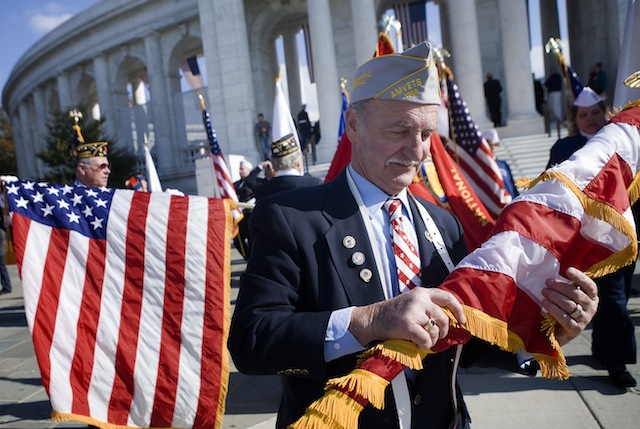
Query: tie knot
[393, 206]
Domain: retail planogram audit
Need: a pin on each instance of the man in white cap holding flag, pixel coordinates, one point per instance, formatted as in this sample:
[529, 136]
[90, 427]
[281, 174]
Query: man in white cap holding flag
[339, 267]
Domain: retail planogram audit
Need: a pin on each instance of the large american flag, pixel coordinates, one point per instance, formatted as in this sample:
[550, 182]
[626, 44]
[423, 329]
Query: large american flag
[223, 178]
[128, 329]
[473, 154]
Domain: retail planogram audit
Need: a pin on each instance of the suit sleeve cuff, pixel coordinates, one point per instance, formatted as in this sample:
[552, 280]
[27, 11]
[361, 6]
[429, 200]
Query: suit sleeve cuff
[338, 341]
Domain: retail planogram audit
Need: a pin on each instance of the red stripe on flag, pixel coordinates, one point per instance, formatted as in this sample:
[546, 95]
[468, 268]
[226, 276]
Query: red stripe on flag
[557, 232]
[214, 333]
[45, 318]
[20, 232]
[122, 392]
[82, 366]
[608, 187]
[496, 294]
[169, 362]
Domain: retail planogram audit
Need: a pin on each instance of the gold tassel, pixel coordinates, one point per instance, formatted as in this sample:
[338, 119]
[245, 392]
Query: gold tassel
[404, 352]
[334, 410]
[364, 383]
[523, 182]
[483, 326]
[634, 189]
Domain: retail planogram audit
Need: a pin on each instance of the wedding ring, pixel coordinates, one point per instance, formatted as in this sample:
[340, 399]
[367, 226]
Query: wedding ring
[429, 325]
[577, 312]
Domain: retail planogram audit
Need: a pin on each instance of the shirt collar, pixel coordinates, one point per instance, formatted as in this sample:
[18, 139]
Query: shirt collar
[288, 172]
[374, 197]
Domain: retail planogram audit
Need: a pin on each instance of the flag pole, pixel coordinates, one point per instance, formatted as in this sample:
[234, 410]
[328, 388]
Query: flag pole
[216, 189]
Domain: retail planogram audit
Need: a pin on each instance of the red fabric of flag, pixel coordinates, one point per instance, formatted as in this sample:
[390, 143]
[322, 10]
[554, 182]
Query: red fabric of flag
[460, 196]
[127, 298]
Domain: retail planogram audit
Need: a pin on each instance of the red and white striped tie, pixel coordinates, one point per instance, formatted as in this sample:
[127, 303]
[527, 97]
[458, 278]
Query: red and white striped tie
[407, 259]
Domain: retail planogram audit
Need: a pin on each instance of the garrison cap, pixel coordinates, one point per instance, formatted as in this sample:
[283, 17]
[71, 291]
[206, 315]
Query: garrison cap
[81, 149]
[408, 76]
[284, 146]
[587, 98]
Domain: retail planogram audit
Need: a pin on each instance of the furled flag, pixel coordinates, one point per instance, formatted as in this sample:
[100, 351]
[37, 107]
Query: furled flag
[453, 192]
[554, 46]
[153, 181]
[345, 105]
[342, 157]
[127, 299]
[223, 182]
[575, 214]
[574, 81]
[473, 154]
[282, 123]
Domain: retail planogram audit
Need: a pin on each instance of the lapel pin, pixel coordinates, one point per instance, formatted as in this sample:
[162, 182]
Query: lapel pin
[366, 275]
[358, 258]
[349, 242]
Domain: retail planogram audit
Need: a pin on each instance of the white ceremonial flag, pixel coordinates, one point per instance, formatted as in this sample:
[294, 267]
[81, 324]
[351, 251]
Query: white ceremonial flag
[153, 181]
[282, 120]
[629, 57]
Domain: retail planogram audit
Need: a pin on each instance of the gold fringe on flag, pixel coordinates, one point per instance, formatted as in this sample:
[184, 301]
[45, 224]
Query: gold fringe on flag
[334, 410]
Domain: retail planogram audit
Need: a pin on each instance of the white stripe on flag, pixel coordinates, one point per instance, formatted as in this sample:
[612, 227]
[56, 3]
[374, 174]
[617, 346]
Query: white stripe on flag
[103, 375]
[66, 329]
[146, 371]
[193, 315]
[35, 255]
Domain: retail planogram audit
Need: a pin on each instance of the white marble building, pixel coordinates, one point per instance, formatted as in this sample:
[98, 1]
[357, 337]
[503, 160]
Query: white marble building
[122, 58]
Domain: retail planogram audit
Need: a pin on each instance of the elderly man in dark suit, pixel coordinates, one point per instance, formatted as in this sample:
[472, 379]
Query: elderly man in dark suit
[287, 164]
[323, 281]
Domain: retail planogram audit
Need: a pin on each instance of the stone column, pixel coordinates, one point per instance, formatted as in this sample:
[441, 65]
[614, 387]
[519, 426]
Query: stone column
[518, 88]
[166, 153]
[226, 50]
[18, 142]
[29, 170]
[326, 72]
[465, 56]
[64, 92]
[363, 18]
[292, 62]
[103, 90]
[41, 128]
[550, 27]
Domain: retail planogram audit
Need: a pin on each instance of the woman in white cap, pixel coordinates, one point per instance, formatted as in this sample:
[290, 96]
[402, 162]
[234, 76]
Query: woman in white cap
[587, 117]
[614, 343]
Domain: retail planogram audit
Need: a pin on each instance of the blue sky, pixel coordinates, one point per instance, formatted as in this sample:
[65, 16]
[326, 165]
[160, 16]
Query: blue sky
[24, 22]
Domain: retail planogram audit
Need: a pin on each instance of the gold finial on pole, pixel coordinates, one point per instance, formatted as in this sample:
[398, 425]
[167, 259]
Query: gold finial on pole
[633, 81]
[76, 115]
[202, 105]
[343, 83]
[553, 45]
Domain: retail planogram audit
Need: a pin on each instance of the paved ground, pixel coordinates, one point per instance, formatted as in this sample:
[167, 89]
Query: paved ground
[496, 399]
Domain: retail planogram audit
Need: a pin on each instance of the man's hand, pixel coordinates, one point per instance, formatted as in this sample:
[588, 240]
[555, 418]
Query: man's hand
[268, 169]
[407, 317]
[573, 305]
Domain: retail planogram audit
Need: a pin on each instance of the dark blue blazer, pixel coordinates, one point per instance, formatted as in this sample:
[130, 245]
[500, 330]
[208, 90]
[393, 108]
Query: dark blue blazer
[564, 148]
[284, 183]
[299, 272]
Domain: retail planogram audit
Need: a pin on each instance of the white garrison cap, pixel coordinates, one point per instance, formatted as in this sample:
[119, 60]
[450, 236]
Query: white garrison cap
[491, 135]
[587, 98]
[408, 76]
